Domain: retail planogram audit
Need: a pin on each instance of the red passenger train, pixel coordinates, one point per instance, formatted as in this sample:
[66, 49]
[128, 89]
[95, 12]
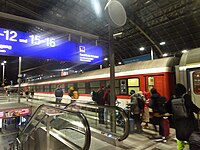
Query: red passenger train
[139, 76]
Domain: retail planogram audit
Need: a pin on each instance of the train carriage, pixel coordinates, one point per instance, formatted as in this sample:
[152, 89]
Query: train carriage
[160, 73]
[138, 76]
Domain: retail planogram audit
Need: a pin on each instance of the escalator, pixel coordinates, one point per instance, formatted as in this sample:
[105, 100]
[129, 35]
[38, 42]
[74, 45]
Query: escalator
[43, 131]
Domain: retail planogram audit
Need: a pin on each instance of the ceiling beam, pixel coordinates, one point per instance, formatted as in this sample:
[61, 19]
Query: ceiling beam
[147, 36]
[47, 25]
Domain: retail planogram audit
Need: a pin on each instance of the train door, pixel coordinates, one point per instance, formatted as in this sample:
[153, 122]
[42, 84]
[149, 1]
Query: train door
[194, 84]
[156, 81]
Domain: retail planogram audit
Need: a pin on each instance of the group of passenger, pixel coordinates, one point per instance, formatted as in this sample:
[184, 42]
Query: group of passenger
[59, 92]
[160, 108]
[180, 107]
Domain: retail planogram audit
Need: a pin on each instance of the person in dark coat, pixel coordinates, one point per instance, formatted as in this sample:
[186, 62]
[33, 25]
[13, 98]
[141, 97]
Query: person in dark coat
[183, 126]
[59, 94]
[155, 96]
[100, 101]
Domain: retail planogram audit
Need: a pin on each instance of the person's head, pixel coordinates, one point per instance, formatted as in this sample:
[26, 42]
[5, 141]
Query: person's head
[153, 91]
[102, 86]
[132, 92]
[108, 86]
[71, 88]
[58, 86]
[179, 90]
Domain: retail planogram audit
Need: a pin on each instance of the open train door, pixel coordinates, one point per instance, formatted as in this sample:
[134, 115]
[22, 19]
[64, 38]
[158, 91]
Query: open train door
[156, 81]
[194, 83]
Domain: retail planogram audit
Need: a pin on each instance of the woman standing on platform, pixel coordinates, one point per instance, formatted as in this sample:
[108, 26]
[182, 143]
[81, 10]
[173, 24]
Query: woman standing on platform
[184, 125]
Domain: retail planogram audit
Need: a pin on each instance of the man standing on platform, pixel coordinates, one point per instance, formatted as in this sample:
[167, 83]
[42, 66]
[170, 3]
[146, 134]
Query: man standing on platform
[59, 95]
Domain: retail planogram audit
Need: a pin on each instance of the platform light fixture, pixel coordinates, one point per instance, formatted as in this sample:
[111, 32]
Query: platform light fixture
[184, 51]
[105, 59]
[165, 55]
[162, 43]
[119, 63]
[117, 34]
[142, 48]
[147, 2]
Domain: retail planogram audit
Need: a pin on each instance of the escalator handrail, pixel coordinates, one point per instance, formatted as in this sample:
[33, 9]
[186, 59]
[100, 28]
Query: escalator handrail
[79, 114]
[124, 115]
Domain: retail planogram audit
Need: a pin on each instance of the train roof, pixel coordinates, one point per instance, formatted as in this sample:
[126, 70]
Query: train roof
[191, 57]
[127, 69]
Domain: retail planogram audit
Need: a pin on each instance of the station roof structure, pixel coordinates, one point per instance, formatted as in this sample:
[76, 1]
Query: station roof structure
[149, 22]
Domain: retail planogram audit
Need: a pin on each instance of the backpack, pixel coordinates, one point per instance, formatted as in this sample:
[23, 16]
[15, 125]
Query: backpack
[178, 107]
[59, 93]
[100, 95]
[140, 102]
[75, 95]
[94, 96]
[159, 105]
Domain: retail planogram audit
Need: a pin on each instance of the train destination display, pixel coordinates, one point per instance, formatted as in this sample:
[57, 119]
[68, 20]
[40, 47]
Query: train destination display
[90, 54]
[17, 43]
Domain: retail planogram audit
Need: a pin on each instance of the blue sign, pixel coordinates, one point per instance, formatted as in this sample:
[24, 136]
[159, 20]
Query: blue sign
[16, 43]
[136, 59]
[90, 54]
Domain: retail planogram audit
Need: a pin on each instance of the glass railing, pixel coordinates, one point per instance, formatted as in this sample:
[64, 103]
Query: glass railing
[110, 120]
[67, 126]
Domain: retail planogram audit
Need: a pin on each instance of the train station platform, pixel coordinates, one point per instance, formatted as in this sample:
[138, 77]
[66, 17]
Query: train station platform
[134, 141]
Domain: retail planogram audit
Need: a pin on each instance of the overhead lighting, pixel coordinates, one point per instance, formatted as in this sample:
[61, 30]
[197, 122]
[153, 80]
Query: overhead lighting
[165, 55]
[162, 43]
[117, 34]
[141, 48]
[147, 2]
[119, 63]
[184, 51]
[97, 7]
[105, 59]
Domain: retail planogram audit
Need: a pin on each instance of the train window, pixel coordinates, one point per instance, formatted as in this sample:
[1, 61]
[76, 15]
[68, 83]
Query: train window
[117, 91]
[123, 86]
[150, 83]
[40, 88]
[107, 83]
[95, 84]
[46, 88]
[81, 84]
[133, 84]
[62, 86]
[53, 87]
[81, 91]
[196, 82]
[81, 87]
[70, 85]
[116, 83]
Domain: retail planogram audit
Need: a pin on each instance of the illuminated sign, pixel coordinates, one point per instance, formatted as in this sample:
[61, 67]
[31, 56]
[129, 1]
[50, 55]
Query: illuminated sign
[90, 54]
[14, 112]
[16, 43]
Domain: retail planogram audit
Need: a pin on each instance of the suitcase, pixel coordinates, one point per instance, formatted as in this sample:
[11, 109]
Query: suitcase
[131, 121]
[195, 137]
[165, 127]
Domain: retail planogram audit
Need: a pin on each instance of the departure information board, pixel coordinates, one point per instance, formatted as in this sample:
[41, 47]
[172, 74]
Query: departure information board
[17, 43]
[90, 54]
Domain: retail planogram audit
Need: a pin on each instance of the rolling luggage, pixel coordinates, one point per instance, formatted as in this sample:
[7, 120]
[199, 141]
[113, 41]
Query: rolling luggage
[165, 126]
[195, 138]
